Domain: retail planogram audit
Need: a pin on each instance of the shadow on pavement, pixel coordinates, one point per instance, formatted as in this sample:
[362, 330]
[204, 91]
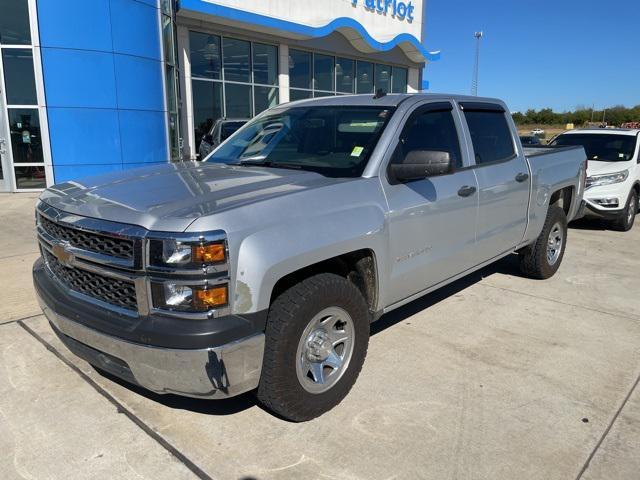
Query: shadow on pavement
[506, 266]
[586, 223]
[209, 407]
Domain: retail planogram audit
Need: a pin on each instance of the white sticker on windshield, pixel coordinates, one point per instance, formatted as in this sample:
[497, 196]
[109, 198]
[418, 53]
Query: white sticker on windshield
[621, 155]
[357, 151]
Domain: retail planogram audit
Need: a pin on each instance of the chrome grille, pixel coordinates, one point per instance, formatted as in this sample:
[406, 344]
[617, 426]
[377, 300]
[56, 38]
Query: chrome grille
[92, 242]
[116, 292]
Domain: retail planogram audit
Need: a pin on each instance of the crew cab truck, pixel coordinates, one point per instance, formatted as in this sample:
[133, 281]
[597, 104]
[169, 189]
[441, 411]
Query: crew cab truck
[613, 181]
[263, 267]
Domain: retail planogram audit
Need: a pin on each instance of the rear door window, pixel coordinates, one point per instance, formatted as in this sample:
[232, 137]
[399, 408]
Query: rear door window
[490, 135]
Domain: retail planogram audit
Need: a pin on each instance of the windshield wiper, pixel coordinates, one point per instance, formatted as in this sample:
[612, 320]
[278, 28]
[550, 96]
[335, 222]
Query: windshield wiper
[270, 164]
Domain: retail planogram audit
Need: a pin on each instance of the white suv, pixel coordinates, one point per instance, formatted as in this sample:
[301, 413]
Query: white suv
[613, 174]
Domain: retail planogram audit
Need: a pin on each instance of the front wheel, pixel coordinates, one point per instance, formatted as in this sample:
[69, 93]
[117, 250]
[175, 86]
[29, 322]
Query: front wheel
[316, 341]
[542, 259]
[625, 221]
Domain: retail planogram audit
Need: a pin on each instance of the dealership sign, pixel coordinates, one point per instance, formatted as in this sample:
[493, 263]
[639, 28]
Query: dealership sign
[398, 9]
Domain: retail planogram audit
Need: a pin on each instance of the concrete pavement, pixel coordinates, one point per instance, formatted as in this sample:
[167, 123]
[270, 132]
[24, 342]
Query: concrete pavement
[495, 377]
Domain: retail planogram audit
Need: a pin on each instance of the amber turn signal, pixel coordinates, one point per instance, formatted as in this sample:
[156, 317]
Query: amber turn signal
[211, 298]
[212, 253]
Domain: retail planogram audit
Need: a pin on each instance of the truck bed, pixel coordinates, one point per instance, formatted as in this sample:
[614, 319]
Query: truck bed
[553, 168]
[535, 151]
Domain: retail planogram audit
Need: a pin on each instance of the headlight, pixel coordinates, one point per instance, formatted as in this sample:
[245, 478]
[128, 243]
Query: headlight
[608, 179]
[188, 298]
[186, 254]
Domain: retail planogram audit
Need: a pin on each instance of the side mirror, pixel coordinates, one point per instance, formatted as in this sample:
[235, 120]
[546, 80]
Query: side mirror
[419, 164]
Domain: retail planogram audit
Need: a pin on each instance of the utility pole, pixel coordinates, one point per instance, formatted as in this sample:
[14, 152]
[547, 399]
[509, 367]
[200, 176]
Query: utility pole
[476, 66]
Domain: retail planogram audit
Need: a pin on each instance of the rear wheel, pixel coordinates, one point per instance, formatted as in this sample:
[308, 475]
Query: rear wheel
[316, 342]
[625, 221]
[543, 258]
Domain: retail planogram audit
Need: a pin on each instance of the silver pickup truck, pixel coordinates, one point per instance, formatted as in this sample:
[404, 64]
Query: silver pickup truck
[262, 267]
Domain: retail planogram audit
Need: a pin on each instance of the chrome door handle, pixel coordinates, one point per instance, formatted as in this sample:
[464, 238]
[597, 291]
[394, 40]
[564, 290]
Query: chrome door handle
[466, 191]
[522, 177]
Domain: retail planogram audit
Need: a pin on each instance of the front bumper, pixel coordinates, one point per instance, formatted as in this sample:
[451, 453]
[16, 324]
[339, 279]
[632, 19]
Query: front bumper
[595, 196]
[216, 371]
[593, 210]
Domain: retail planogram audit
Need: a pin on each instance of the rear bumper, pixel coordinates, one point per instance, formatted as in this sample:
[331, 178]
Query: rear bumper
[218, 372]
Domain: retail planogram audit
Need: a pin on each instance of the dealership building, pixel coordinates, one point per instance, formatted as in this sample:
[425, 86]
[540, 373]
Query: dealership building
[96, 86]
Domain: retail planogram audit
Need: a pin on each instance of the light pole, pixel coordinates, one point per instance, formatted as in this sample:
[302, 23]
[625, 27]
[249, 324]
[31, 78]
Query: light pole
[476, 66]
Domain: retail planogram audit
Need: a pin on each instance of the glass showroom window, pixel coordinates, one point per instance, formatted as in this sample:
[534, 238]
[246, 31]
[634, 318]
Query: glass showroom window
[345, 75]
[230, 78]
[399, 80]
[21, 148]
[318, 75]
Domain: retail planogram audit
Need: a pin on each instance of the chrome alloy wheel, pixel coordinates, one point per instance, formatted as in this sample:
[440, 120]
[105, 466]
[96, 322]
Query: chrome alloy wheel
[554, 245]
[325, 349]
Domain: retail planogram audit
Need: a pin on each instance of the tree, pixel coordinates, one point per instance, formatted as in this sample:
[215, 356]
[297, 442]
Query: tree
[615, 115]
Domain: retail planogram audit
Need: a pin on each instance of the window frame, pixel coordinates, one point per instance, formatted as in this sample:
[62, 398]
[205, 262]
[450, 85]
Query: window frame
[490, 108]
[40, 106]
[223, 81]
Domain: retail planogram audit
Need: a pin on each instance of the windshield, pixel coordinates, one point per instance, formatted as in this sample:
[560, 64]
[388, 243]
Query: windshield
[229, 128]
[333, 141]
[605, 147]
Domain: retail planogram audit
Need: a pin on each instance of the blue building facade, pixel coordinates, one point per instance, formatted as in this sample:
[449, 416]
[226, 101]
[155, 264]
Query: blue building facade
[102, 67]
[95, 86]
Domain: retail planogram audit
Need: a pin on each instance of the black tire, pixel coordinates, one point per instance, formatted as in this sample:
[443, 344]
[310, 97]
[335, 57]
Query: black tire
[625, 221]
[534, 262]
[280, 390]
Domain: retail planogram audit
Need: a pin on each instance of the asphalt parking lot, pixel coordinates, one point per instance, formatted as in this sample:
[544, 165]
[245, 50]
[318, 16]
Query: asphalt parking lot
[494, 377]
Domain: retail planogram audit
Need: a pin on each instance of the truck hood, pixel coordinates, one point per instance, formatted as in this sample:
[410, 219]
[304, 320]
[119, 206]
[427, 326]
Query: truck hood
[596, 167]
[169, 197]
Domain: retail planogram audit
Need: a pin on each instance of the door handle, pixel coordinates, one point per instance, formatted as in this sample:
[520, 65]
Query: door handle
[466, 191]
[522, 177]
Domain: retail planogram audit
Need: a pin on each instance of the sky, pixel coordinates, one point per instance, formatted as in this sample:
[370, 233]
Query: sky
[535, 54]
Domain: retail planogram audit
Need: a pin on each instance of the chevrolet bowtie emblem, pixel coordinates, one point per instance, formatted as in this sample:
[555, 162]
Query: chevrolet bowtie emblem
[61, 252]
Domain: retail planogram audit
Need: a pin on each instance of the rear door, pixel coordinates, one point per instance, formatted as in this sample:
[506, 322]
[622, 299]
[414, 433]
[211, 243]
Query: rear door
[503, 179]
[431, 220]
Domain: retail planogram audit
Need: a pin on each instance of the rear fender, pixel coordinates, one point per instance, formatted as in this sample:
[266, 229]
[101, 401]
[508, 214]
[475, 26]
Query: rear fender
[550, 174]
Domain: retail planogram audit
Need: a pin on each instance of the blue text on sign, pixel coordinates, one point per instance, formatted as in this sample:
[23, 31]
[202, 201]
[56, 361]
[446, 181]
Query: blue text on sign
[400, 10]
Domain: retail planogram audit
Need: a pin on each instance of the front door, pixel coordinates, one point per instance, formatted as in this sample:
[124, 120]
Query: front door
[432, 221]
[5, 163]
[22, 146]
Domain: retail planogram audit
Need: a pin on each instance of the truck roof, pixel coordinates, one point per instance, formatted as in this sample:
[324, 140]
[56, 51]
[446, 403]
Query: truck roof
[617, 131]
[388, 100]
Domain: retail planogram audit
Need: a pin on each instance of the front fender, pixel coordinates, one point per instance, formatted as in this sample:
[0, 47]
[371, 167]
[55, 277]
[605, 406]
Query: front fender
[268, 255]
